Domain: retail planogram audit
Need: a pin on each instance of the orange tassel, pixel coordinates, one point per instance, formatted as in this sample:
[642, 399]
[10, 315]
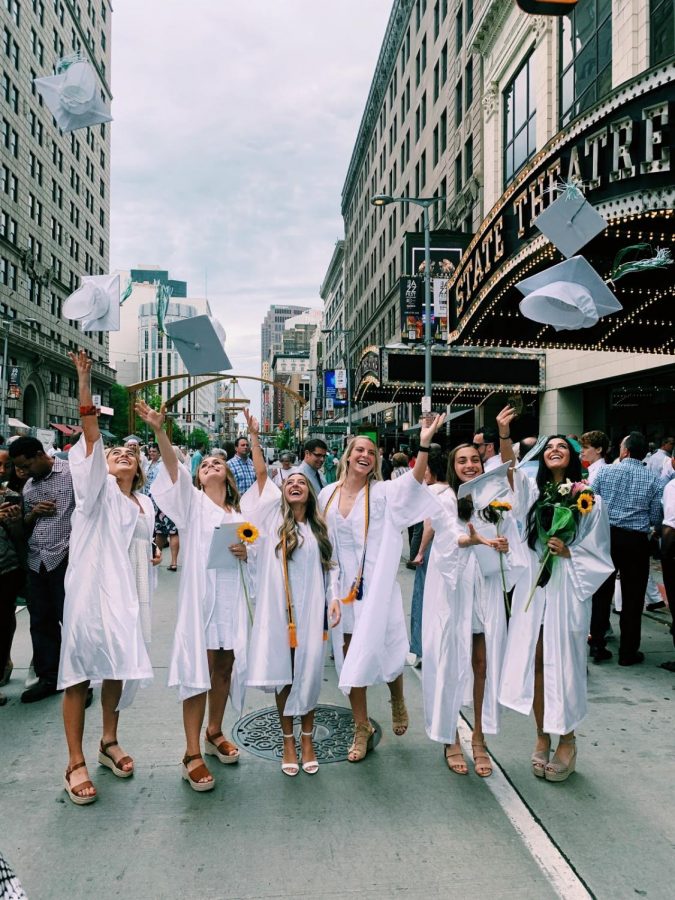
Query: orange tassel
[325, 635]
[352, 595]
[292, 636]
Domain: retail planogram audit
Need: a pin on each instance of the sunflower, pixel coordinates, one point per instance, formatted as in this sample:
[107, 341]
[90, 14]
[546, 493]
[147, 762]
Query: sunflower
[585, 503]
[247, 533]
[501, 505]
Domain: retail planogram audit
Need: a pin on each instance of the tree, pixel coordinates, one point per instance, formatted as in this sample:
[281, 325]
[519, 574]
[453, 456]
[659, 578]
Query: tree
[119, 400]
[283, 439]
[197, 438]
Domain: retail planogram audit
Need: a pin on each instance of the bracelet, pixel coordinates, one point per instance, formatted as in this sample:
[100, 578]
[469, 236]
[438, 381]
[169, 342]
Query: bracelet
[504, 438]
[421, 449]
[88, 411]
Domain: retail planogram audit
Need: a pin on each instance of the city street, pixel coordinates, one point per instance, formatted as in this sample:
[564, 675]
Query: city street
[398, 824]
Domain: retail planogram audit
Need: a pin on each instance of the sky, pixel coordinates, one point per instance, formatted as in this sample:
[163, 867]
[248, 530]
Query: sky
[233, 131]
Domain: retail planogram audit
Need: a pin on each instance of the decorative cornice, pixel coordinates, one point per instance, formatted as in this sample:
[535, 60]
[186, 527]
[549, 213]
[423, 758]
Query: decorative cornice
[398, 21]
[491, 20]
[490, 100]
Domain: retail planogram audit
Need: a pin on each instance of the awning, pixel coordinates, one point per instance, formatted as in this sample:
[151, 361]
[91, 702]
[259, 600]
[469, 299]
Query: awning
[64, 429]
[76, 429]
[16, 423]
[107, 434]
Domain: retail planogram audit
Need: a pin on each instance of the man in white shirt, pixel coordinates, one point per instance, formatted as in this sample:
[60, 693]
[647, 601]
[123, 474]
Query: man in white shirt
[657, 459]
[594, 448]
[486, 443]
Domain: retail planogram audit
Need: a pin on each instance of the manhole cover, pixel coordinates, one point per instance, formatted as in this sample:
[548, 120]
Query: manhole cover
[259, 733]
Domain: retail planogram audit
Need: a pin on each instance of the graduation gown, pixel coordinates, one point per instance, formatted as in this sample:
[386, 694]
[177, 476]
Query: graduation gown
[455, 586]
[196, 516]
[563, 607]
[101, 635]
[379, 642]
[270, 665]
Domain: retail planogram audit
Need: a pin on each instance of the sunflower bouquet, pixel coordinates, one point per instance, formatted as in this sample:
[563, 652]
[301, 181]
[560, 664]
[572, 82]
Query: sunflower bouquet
[247, 534]
[557, 514]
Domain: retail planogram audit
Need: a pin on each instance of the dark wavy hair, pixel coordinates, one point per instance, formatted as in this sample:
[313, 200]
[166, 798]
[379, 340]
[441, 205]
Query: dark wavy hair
[465, 505]
[573, 472]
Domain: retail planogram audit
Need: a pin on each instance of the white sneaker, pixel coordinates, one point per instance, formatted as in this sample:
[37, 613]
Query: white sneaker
[412, 659]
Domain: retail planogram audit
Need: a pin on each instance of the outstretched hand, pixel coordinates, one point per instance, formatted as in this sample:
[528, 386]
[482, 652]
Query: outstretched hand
[150, 416]
[504, 419]
[431, 426]
[82, 363]
[251, 422]
[500, 544]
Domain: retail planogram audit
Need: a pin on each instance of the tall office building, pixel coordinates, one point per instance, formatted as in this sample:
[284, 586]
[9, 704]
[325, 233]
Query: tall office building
[272, 341]
[54, 209]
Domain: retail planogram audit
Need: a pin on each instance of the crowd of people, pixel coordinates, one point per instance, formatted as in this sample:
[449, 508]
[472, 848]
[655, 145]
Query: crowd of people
[515, 577]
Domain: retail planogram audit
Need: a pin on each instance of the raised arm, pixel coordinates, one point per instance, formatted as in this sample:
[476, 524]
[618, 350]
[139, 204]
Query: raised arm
[88, 412]
[256, 450]
[504, 419]
[426, 434]
[156, 421]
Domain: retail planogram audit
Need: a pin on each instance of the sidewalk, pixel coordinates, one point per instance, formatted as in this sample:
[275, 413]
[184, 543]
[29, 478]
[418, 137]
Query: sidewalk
[398, 824]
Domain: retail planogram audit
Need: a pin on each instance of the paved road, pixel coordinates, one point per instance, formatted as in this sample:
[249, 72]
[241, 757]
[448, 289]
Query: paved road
[399, 824]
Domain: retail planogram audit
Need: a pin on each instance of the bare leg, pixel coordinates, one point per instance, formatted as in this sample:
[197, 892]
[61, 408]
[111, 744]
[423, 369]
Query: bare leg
[174, 546]
[479, 664]
[290, 755]
[396, 688]
[543, 740]
[74, 699]
[220, 666]
[193, 717]
[308, 752]
[111, 691]
[399, 713]
[359, 704]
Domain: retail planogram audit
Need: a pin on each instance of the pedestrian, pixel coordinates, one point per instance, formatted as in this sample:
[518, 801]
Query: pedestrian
[294, 599]
[545, 660]
[47, 504]
[241, 465]
[668, 558]
[476, 559]
[281, 473]
[594, 450]
[166, 532]
[197, 458]
[314, 456]
[486, 442]
[632, 494]
[386, 466]
[108, 592]
[399, 465]
[435, 477]
[365, 517]
[208, 657]
[655, 461]
[330, 467]
[12, 573]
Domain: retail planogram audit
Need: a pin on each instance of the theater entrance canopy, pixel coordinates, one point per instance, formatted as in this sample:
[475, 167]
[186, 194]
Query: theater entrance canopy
[622, 152]
[462, 376]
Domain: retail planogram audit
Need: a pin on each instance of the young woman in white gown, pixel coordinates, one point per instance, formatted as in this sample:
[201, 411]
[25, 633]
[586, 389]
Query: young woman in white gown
[545, 662]
[293, 600]
[208, 659]
[365, 517]
[464, 614]
[108, 591]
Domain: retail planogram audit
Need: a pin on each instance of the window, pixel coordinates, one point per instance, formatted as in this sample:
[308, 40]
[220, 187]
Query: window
[458, 103]
[437, 80]
[443, 129]
[519, 121]
[459, 29]
[468, 80]
[437, 18]
[468, 158]
[585, 57]
[423, 169]
[435, 147]
[444, 64]
[661, 30]
[458, 173]
[469, 14]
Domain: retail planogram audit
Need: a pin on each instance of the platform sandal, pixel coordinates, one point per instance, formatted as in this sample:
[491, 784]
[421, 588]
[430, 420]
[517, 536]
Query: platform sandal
[557, 771]
[73, 792]
[193, 776]
[363, 743]
[105, 759]
[540, 758]
[225, 750]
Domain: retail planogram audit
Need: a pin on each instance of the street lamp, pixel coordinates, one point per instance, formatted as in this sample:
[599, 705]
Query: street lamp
[345, 332]
[425, 203]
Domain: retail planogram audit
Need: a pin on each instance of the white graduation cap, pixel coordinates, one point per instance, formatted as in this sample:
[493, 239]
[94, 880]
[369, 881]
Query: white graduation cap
[486, 487]
[533, 452]
[570, 222]
[96, 303]
[567, 296]
[73, 96]
[199, 342]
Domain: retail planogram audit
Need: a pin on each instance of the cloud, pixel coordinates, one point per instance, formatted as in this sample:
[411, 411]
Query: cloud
[234, 126]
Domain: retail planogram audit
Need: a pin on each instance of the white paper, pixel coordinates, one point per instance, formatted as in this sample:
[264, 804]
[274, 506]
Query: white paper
[220, 555]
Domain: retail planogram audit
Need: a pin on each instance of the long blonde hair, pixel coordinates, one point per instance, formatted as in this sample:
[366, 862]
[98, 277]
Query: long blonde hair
[288, 529]
[343, 465]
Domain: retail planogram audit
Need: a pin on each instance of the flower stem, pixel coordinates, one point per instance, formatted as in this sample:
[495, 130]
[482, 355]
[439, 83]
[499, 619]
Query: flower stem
[501, 568]
[248, 599]
[544, 561]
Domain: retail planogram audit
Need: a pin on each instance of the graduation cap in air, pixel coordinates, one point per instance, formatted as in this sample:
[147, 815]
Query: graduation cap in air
[570, 222]
[533, 452]
[486, 487]
[73, 95]
[199, 343]
[96, 303]
[568, 296]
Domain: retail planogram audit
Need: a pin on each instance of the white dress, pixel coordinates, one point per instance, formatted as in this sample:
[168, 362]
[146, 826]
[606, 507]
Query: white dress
[459, 601]
[270, 665]
[212, 608]
[108, 583]
[563, 607]
[379, 642]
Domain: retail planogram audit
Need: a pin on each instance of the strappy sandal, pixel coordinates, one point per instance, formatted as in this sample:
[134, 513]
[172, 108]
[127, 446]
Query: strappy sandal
[557, 771]
[105, 759]
[194, 776]
[540, 758]
[481, 760]
[311, 767]
[77, 798]
[454, 751]
[225, 750]
[290, 769]
[399, 717]
[364, 735]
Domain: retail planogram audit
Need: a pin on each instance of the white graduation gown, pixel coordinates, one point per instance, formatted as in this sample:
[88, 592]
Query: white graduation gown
[270, 653]
[102, 635]
[454, 587]
[196, 517]
[564, 609]
[379, 642]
